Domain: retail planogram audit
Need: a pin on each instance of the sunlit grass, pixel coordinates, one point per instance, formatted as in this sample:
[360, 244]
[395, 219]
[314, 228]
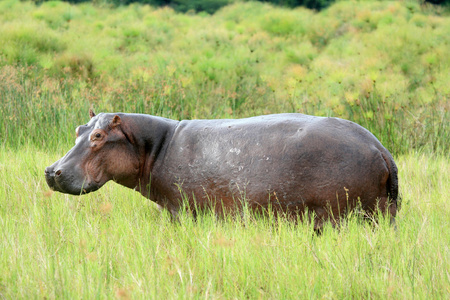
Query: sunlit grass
[115, 243]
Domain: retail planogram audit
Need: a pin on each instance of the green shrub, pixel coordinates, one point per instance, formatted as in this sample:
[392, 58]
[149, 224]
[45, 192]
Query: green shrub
[79, 66]
[25, 42]
[381, 64]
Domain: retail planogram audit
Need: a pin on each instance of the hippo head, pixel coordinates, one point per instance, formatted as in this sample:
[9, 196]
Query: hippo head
[103, 151]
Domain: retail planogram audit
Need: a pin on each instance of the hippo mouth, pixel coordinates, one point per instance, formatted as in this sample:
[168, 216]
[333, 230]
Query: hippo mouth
[67, 184]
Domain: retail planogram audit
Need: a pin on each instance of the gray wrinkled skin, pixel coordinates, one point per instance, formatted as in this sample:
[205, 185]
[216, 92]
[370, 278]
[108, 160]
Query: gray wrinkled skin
[288, 163]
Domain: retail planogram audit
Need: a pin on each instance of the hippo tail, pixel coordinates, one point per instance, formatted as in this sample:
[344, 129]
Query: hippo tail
[392, 181]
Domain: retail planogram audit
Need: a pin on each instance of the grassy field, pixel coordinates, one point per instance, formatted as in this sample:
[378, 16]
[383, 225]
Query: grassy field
[382, 64]
[115, 243]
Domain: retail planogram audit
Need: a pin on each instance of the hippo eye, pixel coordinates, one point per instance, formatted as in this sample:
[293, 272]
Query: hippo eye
[96, 136]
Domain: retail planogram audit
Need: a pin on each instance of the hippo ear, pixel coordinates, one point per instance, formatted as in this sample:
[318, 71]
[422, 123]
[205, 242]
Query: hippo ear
[91, 113]
[116, 121]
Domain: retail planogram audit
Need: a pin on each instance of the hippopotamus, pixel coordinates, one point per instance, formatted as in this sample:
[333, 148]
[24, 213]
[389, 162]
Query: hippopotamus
[287, 163]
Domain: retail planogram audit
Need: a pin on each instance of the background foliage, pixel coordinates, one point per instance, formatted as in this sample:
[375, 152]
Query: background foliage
[384, 65]
[211, 6]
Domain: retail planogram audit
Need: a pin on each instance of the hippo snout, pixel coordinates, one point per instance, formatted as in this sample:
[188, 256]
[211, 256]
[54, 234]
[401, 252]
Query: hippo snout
[52, 177]
[50, 173]
[67, 180]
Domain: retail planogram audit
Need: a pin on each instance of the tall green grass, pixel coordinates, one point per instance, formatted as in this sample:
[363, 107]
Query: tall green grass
[381, 64]
[115, 244]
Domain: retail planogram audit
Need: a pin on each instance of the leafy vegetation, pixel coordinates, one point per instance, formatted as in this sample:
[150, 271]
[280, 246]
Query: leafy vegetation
[208, 6]
[211, 6]
[382, 64]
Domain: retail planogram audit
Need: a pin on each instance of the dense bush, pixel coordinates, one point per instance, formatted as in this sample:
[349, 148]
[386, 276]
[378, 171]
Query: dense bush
[382, 64]
[211, 6]
[314, 4]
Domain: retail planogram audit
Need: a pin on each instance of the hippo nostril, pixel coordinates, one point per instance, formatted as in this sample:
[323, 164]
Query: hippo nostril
[57, 173]
[47, 170]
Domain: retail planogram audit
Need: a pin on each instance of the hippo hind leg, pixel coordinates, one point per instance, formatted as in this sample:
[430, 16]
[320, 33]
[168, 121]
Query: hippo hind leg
[383, 198]
[323, 215]
[381, 205]
[388, 207]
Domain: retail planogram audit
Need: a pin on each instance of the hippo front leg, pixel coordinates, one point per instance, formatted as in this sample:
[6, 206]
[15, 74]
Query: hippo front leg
[173, 211]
